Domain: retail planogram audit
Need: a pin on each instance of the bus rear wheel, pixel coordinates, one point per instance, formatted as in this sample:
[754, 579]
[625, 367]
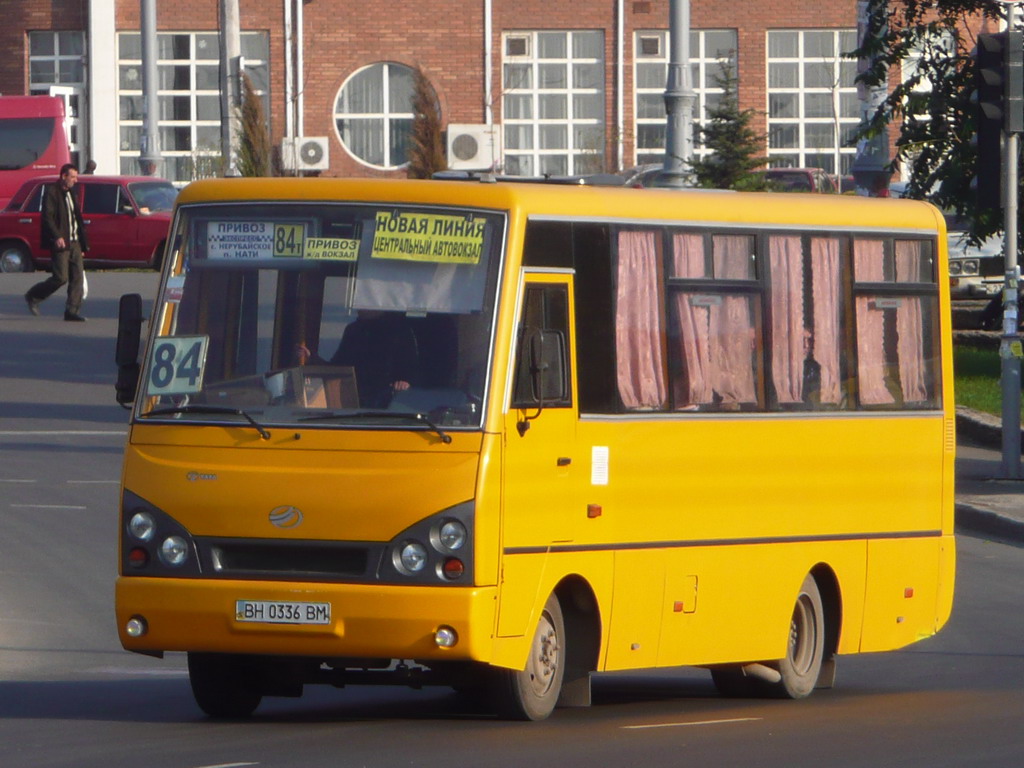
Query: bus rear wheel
[794, 676]
[531, 693]
[223, 685]
[806, 648]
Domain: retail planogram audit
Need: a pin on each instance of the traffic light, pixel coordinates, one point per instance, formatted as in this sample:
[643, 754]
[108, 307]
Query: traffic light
[990, 88]
[1013, 96]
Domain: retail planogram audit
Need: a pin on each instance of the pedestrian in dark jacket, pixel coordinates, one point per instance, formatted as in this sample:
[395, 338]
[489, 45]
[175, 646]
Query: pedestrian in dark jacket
[63, 232]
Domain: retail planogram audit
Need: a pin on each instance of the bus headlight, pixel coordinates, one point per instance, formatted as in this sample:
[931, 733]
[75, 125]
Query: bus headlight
[142, 526]
[174, 551]
[452, 534]
[413, 557]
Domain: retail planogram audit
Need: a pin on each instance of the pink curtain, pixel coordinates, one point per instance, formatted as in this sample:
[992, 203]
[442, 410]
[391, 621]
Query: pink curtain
[694, 388]
[716, 332]
[785, 256]
[642, 378]
[732, 331]
[869, 266]
[826, 344]
[909, 324]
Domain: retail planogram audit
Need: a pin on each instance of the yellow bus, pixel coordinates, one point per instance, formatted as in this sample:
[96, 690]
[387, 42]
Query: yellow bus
[501, 436]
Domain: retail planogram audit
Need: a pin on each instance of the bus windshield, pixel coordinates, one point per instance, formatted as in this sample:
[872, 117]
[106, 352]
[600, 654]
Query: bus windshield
[325, 315]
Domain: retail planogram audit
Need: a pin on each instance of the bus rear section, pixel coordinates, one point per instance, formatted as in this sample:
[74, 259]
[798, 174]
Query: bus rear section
[504, 436]
[33, 141]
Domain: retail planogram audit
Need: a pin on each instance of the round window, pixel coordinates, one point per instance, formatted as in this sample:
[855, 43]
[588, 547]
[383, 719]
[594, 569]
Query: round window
[373, 114]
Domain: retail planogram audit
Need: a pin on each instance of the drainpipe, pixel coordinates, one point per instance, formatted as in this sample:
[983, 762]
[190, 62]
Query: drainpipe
[488, 65]
[289, 53]
[300, 45]
[620, 96]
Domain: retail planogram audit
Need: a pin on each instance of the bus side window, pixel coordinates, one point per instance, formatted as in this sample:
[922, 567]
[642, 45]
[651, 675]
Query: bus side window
[542, 364]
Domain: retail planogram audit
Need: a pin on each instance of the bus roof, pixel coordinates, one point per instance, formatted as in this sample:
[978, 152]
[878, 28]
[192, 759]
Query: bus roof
[593, 203]
[31, 106]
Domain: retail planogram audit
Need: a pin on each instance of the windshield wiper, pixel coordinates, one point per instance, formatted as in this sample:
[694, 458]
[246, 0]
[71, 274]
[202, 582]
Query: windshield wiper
[199, 408]
[445, 437]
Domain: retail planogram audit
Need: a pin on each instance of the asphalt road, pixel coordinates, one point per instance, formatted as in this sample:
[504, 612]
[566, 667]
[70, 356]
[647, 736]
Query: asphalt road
[70, 697]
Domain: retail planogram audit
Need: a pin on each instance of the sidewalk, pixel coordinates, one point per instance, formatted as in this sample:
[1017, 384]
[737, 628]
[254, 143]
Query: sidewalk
[985, 502]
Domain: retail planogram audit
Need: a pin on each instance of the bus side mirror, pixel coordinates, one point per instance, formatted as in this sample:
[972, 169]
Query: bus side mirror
[547, 367]
[544, 359]
[126, 354]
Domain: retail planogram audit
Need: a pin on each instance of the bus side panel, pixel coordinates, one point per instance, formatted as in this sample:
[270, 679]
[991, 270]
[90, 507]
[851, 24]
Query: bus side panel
[902, 592]
[727, 604]
[638, 599]
[528, 580]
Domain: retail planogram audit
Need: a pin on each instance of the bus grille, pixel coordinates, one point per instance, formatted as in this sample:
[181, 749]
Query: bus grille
[288, 560]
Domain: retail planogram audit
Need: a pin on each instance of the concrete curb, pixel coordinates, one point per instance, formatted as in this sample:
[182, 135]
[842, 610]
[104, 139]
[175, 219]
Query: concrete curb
[986, 430]
[971, 519]
[981, 427]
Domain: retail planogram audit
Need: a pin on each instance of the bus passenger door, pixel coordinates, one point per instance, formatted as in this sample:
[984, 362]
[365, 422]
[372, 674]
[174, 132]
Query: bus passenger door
[539, 459]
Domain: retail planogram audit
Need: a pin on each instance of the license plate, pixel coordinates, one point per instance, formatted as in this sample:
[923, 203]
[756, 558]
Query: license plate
[282, 612]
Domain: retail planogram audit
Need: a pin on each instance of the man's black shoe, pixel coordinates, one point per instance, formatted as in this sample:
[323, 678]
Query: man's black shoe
[33, 304]
[71, 317]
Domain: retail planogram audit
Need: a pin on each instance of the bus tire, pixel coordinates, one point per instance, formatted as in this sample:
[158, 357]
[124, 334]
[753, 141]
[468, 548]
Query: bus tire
[531, 693]
[792, 677]
[223, 685]
[805, 650]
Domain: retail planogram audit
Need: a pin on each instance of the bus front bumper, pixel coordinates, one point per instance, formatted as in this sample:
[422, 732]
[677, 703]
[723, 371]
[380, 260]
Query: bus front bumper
[365, 621]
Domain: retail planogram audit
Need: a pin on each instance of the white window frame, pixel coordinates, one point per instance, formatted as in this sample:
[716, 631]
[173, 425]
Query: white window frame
[703, 68]
[579, 155]
[201, 161]
[57, 58]
[384, 117]
[842, 87]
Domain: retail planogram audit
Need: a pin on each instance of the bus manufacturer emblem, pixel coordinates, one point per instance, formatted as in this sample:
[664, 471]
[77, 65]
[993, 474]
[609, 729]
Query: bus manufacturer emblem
[285, 516]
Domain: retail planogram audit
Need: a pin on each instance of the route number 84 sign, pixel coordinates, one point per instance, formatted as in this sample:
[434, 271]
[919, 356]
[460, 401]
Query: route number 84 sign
[176, 367]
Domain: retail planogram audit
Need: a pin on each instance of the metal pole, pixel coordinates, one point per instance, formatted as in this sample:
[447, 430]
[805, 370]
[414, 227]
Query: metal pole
[230, 91]
[149, 149]
[1009, 345]
[679, 98]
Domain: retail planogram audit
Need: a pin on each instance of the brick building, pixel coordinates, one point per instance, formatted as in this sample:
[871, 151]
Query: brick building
[560, 87]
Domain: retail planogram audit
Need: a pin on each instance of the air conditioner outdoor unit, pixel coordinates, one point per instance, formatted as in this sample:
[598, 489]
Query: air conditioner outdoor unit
[305, 153]
[473, 147]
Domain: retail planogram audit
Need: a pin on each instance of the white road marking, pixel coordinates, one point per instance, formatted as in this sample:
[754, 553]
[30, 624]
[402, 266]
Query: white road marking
[129, 672]
[13, 480]
[227, 765]
[698, 722]
[48, 506]
[69, 433]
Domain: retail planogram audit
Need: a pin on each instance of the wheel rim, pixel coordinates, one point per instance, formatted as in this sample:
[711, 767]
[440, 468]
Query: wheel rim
[802, 636]
[12, 261]
[544, 657]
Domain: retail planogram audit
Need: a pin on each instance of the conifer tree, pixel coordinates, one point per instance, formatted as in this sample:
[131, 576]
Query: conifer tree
[736, 147]
[426, 149]
[254, 147]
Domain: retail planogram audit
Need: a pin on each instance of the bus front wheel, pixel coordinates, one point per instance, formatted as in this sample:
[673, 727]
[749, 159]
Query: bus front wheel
[223, 685]
[531, 693]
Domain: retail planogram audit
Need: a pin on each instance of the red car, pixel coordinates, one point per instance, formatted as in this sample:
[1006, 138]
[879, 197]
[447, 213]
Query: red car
[127, 218]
